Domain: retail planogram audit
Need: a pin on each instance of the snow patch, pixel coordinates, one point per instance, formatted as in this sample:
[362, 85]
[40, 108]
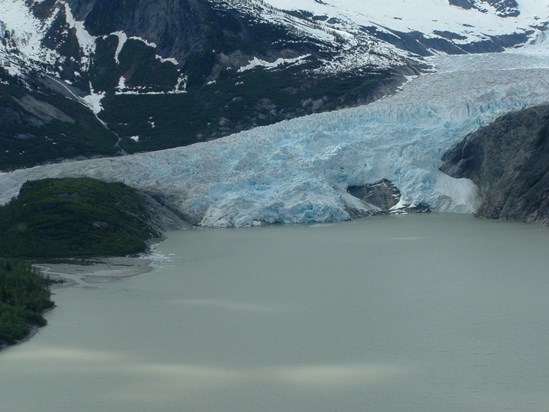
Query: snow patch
[122, 39]
[147, 43]
[121, 84]
[255, 62]
[181, 85]
[21, 36]
[85, 39]
[179, 88]
[93, 101]
[171, 60]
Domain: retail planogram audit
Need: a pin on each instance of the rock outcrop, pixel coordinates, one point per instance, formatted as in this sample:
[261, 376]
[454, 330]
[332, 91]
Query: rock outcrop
[509, 162]
[383, 197]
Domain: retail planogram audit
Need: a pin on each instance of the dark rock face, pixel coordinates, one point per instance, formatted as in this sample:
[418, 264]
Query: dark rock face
[464, 4]
[382, 197]
[383, 194]
[198, 34]
[509, 162]
[505, 8]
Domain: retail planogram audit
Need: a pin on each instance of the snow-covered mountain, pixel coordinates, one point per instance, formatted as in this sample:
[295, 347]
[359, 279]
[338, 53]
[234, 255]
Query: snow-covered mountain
[426, 26]
[343, 34]
[302, 170]
[146, 76]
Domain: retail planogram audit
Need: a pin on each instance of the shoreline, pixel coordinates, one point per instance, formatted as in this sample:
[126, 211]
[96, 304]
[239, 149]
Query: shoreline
[86, 273]
[100, 270]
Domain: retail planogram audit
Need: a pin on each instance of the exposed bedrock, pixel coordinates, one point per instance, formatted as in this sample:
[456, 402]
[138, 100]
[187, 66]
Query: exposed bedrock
[509, 162]
[383, 197]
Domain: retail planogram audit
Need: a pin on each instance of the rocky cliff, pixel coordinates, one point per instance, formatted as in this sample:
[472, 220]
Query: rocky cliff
[509, 162]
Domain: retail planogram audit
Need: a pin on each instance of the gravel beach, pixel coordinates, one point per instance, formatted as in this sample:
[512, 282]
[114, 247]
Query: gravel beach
[100, 270]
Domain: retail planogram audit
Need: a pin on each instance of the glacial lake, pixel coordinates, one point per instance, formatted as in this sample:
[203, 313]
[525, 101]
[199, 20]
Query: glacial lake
[399, 313]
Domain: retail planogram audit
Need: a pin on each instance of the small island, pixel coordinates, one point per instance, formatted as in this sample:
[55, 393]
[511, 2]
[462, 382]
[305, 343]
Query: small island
[72, 218]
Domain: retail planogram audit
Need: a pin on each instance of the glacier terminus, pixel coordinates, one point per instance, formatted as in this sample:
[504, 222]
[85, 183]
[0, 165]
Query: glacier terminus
[298, 171]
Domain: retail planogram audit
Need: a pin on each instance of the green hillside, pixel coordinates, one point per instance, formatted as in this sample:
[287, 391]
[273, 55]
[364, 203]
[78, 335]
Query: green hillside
[76, 217]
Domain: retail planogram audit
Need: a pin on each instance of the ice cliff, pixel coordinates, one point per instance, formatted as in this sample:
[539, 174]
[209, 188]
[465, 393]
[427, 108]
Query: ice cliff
[298, 171]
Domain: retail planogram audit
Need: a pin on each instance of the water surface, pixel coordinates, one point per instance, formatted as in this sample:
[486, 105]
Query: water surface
[403, 313]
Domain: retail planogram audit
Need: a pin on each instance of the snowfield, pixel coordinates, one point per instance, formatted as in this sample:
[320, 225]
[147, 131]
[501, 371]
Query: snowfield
[426, 16]
[298, 171]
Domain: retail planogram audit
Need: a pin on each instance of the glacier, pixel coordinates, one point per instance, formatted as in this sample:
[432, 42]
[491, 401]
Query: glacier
[298, 171]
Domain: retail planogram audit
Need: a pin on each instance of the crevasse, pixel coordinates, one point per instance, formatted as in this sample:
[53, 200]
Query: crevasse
[298, 171]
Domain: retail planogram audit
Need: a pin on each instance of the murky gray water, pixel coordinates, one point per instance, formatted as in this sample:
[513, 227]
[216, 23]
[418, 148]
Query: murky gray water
[408, 313]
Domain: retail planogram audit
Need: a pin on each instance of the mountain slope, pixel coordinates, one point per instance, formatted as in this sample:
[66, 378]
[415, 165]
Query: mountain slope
[174, 72]
[42, 121]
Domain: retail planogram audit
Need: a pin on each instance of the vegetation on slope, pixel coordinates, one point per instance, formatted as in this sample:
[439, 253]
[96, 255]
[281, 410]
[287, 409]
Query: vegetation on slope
[236, 102]
[24, 296]
[75, 217]
[44, 125]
